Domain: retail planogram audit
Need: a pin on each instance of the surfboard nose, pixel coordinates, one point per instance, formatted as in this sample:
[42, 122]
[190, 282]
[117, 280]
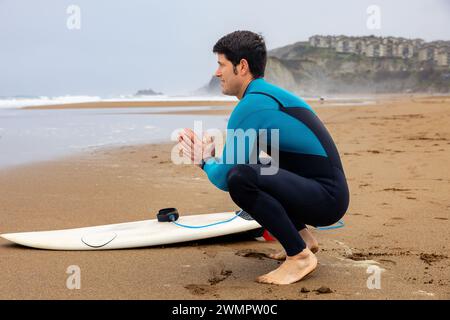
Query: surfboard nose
[14, 237]
[5, 236]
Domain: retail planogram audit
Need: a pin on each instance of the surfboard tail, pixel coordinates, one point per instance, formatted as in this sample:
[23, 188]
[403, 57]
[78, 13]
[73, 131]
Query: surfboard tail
[261, 234]
[268, 236]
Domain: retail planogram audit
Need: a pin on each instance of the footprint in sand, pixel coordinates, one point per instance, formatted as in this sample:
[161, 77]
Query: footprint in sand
[429, 258]
[323, 290]
[211, 253]
[364, 185]
[198, 289]
[396, 189]
[388, 261]
[388, 225]
[249, 253]
[351, 154]
[216, 278]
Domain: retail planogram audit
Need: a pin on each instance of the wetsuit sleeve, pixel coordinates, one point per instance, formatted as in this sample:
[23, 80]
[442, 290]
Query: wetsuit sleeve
[239, 146]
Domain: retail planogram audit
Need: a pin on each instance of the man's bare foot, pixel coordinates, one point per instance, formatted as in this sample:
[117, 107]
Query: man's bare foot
[292, 270]
[309, 239]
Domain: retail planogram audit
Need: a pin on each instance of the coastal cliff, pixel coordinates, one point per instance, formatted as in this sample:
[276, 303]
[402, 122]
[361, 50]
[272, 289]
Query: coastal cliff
[313, 70]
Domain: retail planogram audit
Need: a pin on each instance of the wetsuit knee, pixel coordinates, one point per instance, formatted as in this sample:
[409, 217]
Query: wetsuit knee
[243, 185]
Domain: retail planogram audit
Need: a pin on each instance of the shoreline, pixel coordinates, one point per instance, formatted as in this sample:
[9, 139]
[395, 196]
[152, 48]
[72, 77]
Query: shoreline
[345, 100]
[133, 104]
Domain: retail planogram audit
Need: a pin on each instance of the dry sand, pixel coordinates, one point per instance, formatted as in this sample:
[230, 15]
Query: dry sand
[395, 155]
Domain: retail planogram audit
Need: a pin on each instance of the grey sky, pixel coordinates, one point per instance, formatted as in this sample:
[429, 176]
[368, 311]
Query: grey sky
[124, 46]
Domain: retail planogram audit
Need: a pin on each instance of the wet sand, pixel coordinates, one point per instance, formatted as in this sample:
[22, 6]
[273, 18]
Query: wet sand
[395, 155]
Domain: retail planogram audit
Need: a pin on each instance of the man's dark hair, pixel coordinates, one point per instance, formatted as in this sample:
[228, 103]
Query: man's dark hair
[244, 45]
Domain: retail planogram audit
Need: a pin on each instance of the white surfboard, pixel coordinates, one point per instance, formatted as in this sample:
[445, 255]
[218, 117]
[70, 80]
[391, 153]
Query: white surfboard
[137, 234]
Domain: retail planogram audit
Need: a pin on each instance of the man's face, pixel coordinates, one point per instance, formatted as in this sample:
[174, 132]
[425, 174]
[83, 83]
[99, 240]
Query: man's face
[230, 80]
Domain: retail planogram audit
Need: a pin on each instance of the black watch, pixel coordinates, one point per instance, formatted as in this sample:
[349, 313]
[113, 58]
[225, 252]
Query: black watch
[203, 162]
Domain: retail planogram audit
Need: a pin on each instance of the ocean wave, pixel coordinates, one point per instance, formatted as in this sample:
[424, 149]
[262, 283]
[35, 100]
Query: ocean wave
[20, 102]
[170, 98]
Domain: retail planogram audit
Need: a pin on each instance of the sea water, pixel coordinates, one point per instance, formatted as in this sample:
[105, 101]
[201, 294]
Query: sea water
[28, 136]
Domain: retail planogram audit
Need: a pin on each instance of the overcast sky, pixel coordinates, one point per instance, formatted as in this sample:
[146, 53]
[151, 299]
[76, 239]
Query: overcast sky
[126, 45]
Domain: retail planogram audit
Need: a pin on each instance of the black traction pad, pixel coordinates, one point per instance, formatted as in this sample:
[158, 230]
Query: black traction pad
[244, 215]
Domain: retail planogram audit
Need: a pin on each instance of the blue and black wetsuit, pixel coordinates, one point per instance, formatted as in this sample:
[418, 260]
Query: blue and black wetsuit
[309, 187]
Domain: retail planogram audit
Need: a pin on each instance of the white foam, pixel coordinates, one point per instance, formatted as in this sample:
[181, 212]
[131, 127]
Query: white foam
[43, 100]
[159, 98]
[170, 98]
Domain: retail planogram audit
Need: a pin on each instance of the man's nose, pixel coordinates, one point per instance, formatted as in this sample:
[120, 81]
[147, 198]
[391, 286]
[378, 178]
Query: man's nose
[218, 74]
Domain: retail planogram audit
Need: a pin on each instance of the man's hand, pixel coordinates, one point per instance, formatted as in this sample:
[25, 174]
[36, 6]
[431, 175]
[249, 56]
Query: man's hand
[209, 146]
[195, 148]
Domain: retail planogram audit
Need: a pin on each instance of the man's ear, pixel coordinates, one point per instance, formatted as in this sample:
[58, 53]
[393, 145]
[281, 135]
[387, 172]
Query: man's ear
[244, 68]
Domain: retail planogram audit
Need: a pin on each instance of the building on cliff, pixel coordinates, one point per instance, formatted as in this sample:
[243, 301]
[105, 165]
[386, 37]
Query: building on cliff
[371, 46]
